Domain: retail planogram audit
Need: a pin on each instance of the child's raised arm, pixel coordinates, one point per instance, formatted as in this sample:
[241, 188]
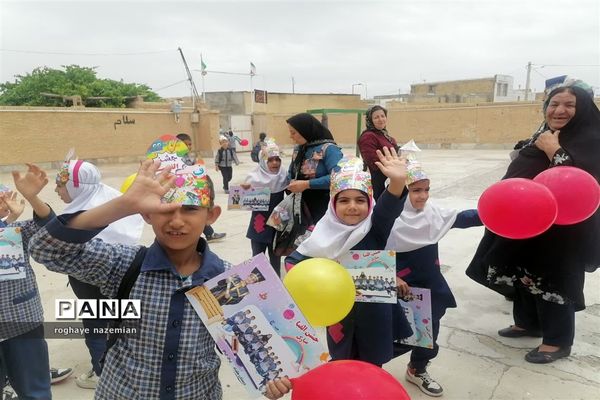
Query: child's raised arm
[30, 185]
[394, 168]
[143, 196]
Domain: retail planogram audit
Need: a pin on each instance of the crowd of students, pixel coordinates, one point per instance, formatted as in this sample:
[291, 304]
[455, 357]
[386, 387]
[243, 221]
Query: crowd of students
[175, 356]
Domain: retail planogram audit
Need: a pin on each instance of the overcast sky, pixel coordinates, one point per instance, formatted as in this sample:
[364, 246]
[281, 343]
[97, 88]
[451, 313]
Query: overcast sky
[326, 46]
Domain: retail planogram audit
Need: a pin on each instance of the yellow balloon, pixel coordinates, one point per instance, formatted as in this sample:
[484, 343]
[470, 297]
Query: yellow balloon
[128, 181]
[323, 290]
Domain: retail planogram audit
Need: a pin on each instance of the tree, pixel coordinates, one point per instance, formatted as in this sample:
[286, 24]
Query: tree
[29, 90]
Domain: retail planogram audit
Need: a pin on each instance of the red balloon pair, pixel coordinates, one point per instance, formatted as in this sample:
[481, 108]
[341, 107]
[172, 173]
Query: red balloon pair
[519, 208]
[347, 380]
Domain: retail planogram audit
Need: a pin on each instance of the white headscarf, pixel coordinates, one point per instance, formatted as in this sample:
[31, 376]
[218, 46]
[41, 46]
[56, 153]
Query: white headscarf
[90, 193]
[414, 228]
[262, 176]
[331, 237]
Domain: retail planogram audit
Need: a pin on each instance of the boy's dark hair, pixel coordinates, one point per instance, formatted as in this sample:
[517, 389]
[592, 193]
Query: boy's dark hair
[184, 136]
[262, 136]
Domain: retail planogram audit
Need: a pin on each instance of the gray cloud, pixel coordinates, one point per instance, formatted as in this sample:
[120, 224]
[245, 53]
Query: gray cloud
[325, 46]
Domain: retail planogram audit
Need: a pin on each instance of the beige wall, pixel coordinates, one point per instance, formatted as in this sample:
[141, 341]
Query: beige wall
[36, 134]
[45, 134]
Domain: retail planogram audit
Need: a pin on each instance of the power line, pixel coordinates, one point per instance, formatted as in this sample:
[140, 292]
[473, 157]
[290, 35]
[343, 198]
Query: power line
[172, 84]
[86, 54]
[566, 65]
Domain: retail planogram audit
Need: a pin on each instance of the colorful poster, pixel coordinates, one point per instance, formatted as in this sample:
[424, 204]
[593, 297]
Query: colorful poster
[253, 199]
[417, 307]
[256, 324]
[11, 254]
[374, 274]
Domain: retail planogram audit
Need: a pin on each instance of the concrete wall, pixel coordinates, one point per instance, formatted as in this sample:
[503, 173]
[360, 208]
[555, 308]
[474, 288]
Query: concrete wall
[36, 134]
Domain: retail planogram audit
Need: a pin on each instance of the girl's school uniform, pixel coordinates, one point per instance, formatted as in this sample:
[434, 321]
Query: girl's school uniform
[367, 333]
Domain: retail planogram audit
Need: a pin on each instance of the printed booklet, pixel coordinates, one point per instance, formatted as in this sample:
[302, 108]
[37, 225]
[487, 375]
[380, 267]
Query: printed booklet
[257, 325]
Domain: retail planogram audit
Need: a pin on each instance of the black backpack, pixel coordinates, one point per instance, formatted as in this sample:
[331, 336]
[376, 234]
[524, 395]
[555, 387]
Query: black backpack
[255, 152]
[125, 287]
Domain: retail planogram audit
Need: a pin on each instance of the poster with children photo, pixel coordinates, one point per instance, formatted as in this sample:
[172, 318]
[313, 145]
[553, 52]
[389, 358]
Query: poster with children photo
[252, 199]
[417, 308]
[374, 274]
[256, 324]
[11, 254]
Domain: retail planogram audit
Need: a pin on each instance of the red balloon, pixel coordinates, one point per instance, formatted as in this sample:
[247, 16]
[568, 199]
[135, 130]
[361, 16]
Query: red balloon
[517, 208]
[577, 193]
[347, 380]
[244, 142]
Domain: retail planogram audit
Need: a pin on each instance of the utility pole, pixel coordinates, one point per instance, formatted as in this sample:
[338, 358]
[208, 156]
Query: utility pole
[293, 83]
[195, 95]
[528, 81]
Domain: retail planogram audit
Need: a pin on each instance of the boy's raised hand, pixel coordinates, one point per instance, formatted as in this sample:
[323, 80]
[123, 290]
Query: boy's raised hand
[394, 168]
[32, 182]
[145, 193]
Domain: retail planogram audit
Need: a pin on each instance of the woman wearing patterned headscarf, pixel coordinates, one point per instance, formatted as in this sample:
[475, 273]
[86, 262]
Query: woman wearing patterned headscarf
[374, 138]
[315, 157]
[548, 271]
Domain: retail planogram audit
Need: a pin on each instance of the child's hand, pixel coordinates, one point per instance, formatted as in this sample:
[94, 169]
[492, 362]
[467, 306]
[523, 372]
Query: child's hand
[8, 202]
[32, 183]
[278, 388]
[145, 193]
[403, 288]
[390, 164]
[394, 168]
[245, 186]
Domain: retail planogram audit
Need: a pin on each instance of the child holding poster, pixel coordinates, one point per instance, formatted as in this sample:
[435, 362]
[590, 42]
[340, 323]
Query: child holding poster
[353, 222]
[415, 237]
[268, 174]
[174, 355]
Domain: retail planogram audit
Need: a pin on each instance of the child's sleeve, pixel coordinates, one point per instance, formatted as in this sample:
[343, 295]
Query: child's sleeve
[467, 219]
[385, 213]
[30, 227]
[293, 259]
[75, 252]
[332, 156]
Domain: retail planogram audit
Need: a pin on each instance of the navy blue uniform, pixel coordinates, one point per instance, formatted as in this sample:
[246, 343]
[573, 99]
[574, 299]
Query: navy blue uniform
[367, 333]
[421, 268]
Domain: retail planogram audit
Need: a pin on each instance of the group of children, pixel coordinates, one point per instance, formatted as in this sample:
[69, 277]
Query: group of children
[174, 355]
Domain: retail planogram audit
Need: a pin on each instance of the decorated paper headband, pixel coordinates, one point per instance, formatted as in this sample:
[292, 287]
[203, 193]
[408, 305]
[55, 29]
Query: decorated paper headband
[193, 187]
[63, 175]
[414, 172]
[351, 176]
[270, 149]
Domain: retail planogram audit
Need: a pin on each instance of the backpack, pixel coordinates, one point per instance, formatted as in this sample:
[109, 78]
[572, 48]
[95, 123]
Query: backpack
[125, 287]
[255, 152]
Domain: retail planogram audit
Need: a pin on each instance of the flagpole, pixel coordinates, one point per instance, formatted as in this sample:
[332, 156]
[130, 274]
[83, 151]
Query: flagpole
[203, 73]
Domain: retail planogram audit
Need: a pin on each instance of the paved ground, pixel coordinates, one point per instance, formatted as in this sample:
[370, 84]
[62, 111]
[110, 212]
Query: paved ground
[474, 362]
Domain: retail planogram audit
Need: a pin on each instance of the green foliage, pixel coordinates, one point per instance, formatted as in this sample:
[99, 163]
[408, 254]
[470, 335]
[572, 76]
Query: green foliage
[73, 80]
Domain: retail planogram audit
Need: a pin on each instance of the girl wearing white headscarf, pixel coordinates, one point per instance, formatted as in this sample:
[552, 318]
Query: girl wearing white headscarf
[415, 237]
[78, 184]
[268, 174]
[354, 222]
